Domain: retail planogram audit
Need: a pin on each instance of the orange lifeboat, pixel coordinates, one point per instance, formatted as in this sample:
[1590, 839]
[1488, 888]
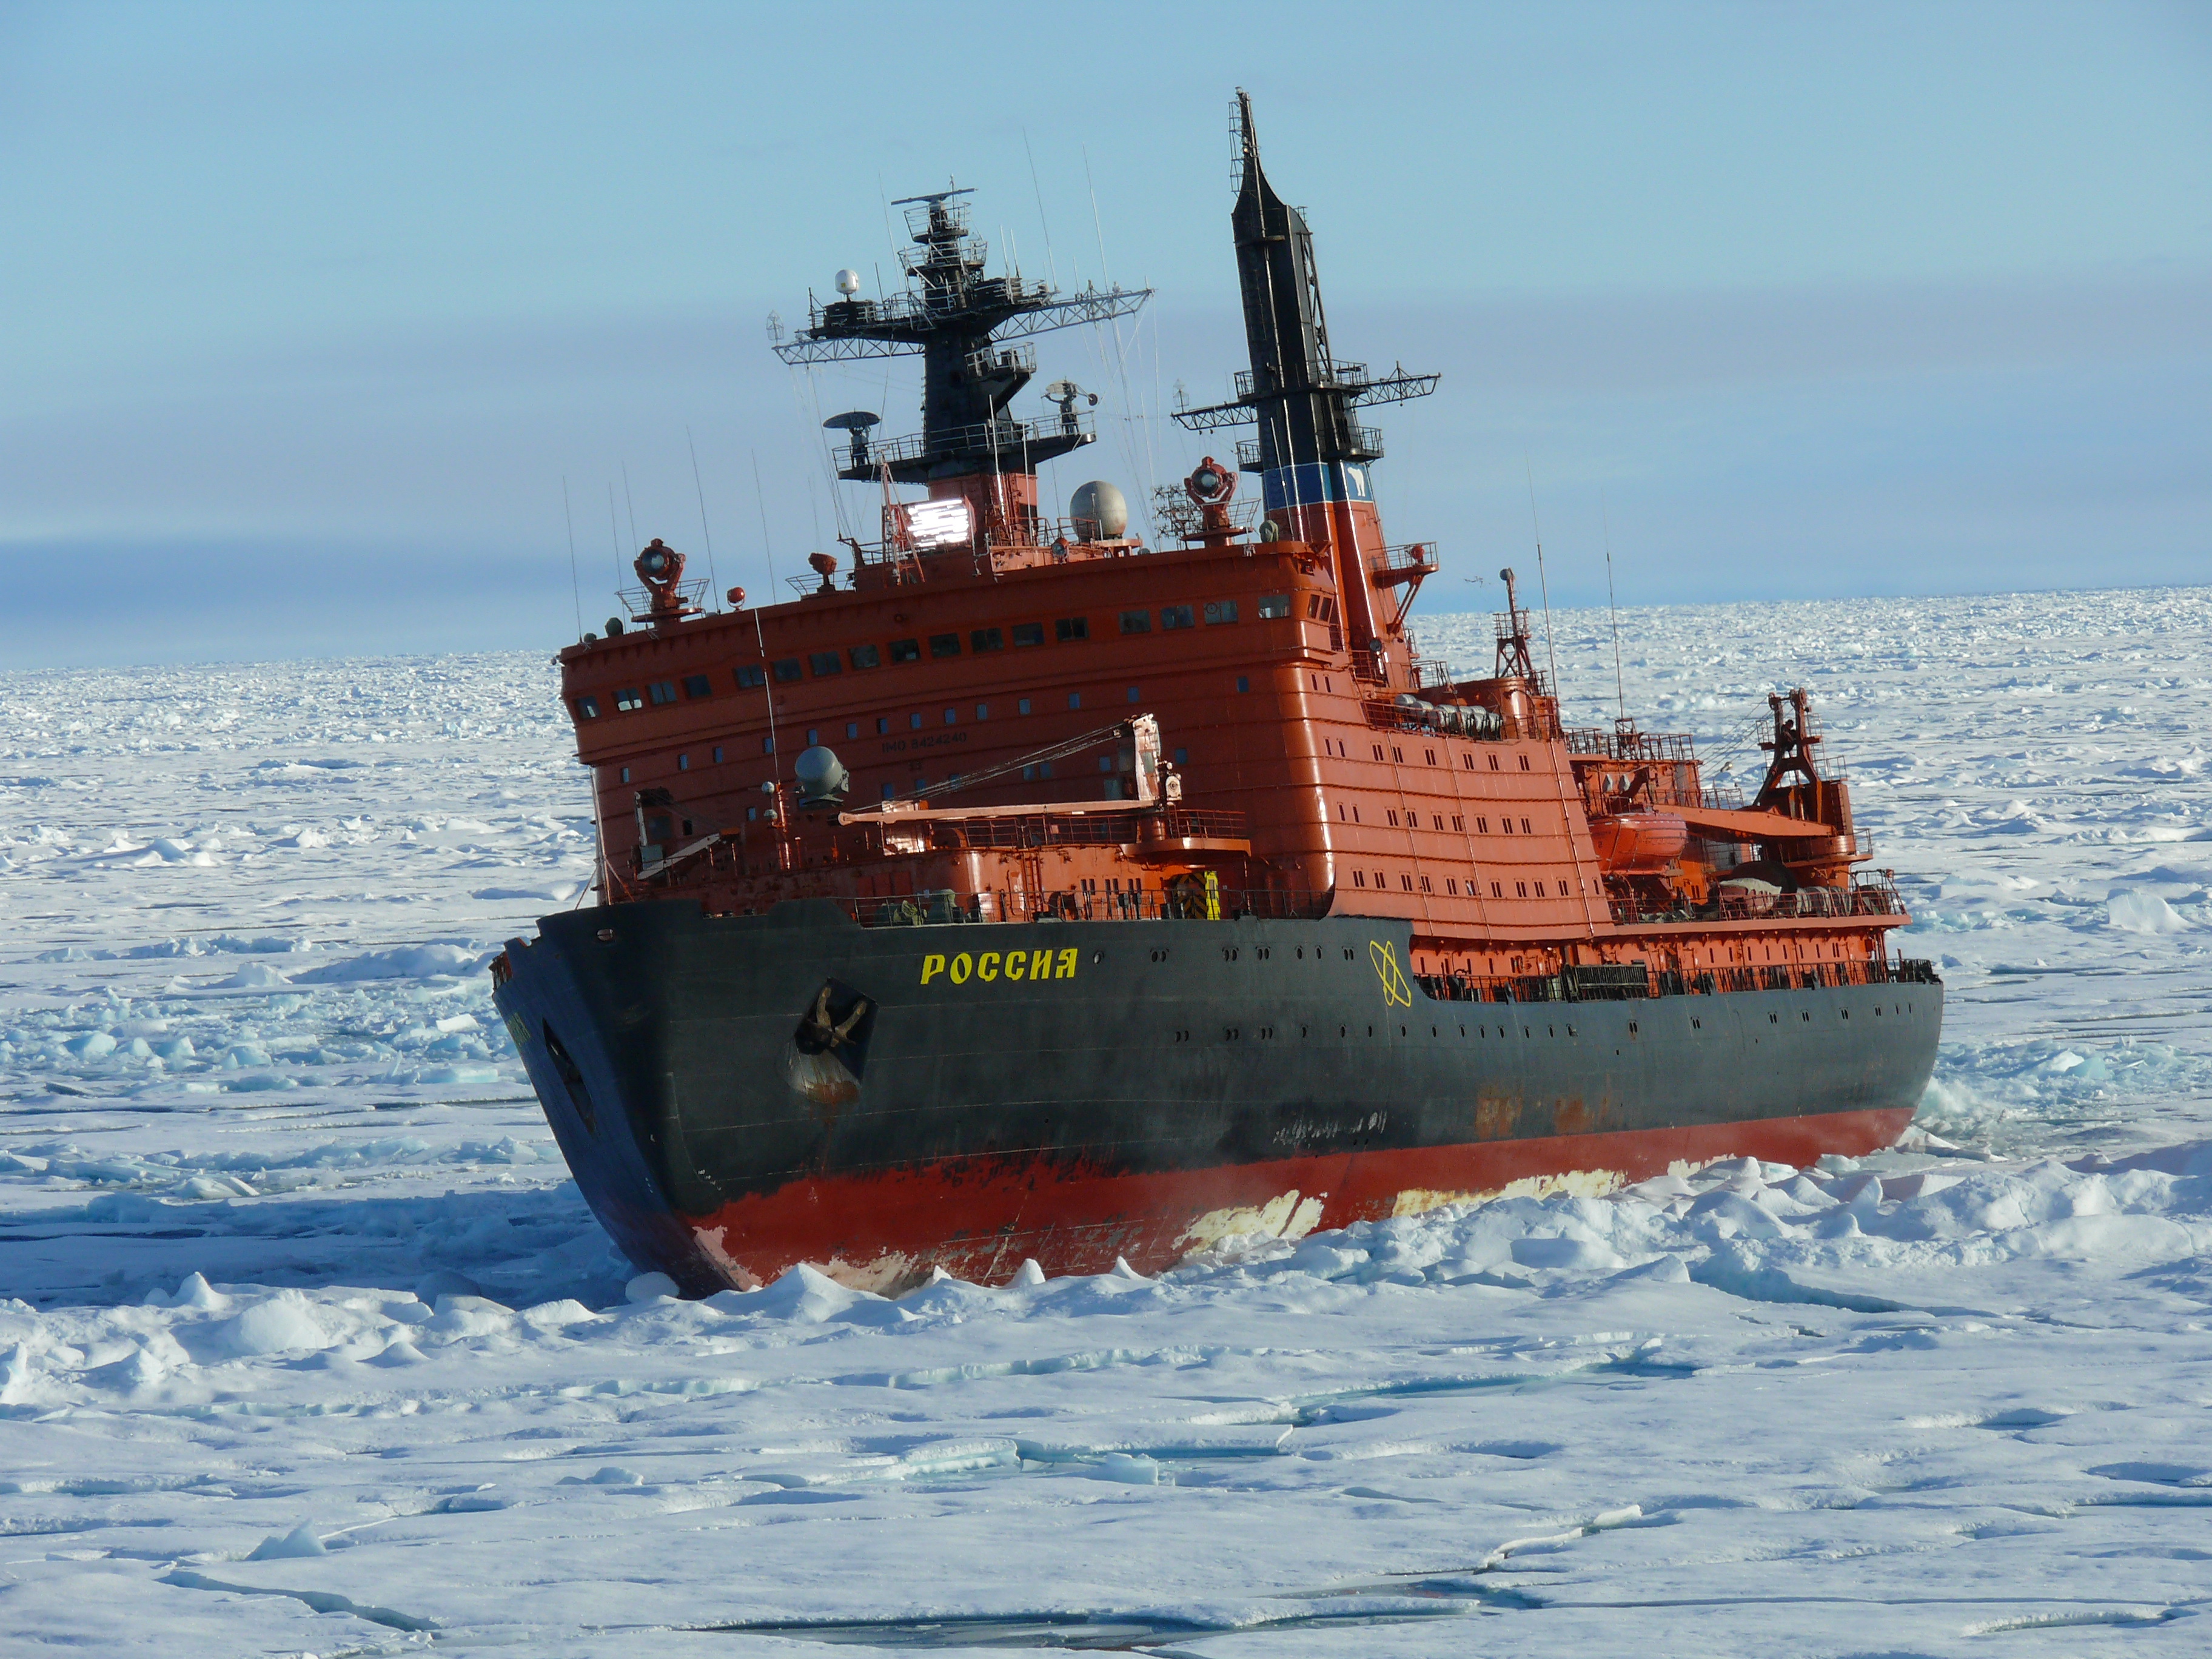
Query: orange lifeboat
[1638, 842]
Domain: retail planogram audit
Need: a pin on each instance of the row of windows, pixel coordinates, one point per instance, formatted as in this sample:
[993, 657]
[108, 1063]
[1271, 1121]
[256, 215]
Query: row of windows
[663, 692]
[1349, 813]
[1451, 886]
[823, 664]
[657, 692]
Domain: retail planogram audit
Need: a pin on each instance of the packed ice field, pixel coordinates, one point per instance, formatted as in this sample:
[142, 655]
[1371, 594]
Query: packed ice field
[309, 1345]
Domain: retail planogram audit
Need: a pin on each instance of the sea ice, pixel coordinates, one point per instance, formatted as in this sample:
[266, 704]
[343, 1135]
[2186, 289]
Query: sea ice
[308, 1343]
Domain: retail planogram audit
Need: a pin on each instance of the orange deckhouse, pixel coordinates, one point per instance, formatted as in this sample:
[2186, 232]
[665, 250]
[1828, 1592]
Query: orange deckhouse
[1001, 784]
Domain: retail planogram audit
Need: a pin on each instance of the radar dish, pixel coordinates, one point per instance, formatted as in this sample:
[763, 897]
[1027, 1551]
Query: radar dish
[849, 283]
[853, 420]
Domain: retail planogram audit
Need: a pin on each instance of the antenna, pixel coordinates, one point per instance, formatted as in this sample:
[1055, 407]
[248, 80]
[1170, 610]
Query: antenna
[774, 748]
[1543, 583]
[614, 533]
[1619, 688]
[714, 582]
[576, 581]
[632, 506]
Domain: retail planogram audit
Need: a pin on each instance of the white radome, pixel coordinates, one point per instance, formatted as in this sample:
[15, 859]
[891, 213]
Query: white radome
[1098, 511]
[849, 281]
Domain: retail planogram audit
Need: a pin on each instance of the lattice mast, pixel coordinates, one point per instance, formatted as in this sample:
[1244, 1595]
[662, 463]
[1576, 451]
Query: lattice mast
[957, 319]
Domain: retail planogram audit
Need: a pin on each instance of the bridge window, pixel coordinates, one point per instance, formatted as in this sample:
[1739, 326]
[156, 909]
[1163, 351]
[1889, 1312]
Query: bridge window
[788, 669]
[1028, 634]
[627, 699]
[1360, 878]
[866, 656]
[1136, 622]
[1177, 616]
[1218, 612]
[751, 677]
[662, 691]
[1070, 629]
[1274, 605]
[1406, 882]
[1451, 886]
[824, 663]
[1497, 890]
[906, 650]
[698, 685]
[1522, 888]
[986, 639]
[588, 708]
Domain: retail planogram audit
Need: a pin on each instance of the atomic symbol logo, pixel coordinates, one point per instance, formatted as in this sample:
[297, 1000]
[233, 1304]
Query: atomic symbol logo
[1395, 991]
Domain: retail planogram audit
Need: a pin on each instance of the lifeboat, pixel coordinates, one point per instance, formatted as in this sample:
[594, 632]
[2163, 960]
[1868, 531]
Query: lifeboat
[1638, 842]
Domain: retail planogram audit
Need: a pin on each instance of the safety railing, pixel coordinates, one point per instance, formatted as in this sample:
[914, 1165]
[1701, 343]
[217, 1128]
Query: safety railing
[1192, 902]
[1865, 899]
[1612, 982]
[1084, 830]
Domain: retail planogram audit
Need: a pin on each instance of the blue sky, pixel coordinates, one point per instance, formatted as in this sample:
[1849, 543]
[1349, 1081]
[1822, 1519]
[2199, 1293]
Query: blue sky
[311, 310]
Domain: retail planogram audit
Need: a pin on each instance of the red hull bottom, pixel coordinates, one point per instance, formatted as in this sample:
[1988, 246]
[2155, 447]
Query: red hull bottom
[980, 1219]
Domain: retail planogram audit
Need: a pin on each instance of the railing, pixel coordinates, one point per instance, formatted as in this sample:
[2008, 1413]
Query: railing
[638, 601]
[1866, 899]
[1176, 515]
[1615, 983]
[945, 907]
[1628, 748]
[1002, 437]
[1365, 445]
[1426, 717]
[1058, 829]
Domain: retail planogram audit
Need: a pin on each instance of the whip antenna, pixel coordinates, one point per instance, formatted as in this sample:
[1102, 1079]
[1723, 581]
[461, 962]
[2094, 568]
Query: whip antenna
[576, 581]
[774, 749]
[714, 582]
[1543, 583]
[1619, 688]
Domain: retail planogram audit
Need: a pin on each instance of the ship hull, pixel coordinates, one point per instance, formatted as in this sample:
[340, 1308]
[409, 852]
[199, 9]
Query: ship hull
[739, 1095]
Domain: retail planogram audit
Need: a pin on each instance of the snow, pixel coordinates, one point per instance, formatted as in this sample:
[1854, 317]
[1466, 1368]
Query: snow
[308, 1346]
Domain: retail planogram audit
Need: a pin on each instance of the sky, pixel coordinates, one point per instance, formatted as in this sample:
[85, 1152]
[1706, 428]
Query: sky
[316, 316]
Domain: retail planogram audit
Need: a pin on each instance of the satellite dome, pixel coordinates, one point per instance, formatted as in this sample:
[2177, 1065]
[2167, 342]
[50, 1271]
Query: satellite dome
[849, 281]
[821, 778]
[1098, 511]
